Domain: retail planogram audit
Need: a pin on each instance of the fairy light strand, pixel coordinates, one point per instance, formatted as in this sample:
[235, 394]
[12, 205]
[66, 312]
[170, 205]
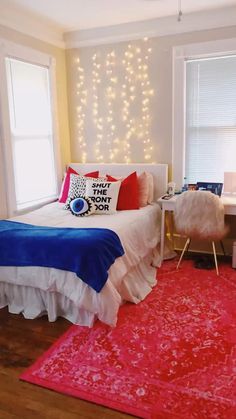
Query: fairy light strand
[128, 97]
[147, 92]
[81, 109]
[97, 118]
[111, 97]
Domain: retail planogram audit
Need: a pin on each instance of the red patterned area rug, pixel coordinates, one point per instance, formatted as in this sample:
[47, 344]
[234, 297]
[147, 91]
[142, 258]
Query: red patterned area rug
[171, 356]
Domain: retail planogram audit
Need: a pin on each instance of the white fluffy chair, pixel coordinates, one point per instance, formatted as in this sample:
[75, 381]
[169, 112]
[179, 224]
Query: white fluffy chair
[200, 214]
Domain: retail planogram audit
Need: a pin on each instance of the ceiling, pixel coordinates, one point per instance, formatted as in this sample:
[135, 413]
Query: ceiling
[70, 15]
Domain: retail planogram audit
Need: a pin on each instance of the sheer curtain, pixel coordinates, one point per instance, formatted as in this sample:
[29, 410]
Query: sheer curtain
[210, 118]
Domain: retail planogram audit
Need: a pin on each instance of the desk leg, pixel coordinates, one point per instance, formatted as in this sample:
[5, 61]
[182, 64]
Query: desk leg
[162, 233]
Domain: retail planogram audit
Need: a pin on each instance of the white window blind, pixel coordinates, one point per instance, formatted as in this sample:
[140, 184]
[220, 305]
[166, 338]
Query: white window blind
[31, 132]
[210, 119]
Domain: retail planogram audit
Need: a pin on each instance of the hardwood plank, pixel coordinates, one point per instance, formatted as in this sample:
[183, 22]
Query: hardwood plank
[21, 343]
[7, 415]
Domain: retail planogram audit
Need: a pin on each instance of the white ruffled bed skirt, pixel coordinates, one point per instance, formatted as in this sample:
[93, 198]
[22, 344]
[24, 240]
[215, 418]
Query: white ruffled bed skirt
[34, 302]
[35, 291]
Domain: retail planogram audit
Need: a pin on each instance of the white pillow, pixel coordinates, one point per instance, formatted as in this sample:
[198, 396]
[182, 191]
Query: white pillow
[104, 195]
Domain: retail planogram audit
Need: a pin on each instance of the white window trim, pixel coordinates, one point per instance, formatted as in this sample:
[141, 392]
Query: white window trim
[9, 49]
[179, 57]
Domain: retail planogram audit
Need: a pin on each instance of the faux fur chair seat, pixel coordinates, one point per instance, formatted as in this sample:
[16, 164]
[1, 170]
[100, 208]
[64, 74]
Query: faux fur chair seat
[200, 214]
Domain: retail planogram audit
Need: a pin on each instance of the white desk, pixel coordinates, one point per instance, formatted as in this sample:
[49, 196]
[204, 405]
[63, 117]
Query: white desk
[229, 202]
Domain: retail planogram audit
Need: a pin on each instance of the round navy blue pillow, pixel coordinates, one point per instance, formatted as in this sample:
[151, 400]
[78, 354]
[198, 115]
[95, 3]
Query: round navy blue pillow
[82, 206]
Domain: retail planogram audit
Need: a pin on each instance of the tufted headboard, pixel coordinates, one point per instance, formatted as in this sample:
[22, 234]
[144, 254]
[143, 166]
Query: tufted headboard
[159, 172]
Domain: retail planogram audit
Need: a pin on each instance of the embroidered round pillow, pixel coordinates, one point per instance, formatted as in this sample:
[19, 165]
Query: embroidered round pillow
[82, 206]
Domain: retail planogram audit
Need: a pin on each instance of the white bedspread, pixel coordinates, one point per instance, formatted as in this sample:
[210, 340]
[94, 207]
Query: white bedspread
[36, 291]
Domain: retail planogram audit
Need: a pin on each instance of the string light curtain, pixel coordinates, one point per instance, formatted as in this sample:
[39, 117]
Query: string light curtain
[120, 92]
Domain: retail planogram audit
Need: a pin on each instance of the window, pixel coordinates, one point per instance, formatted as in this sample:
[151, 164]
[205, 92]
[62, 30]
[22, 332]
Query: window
[31, 132]
[28, 128]
[204, 111]
[210, 118]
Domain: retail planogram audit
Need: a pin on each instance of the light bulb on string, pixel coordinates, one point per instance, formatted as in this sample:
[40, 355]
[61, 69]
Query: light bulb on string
[180, 13]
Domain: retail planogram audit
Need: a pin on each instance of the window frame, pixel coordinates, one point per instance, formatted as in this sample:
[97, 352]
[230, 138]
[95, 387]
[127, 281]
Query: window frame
[19, 52]
[180, 54]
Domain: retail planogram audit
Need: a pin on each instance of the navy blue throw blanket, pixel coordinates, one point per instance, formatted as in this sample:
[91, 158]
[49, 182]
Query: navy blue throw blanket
[89, 252]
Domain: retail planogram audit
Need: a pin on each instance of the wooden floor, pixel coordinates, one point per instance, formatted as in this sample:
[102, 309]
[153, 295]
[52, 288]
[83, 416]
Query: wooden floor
[21, 343]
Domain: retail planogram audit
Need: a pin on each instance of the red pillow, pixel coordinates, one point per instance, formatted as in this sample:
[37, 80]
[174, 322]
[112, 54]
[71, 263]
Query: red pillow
[66, 183]
[128, 198]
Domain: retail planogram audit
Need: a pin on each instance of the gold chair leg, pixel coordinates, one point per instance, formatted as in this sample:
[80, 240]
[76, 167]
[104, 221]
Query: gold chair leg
[188, 245]
[182, 254]
[214, 251]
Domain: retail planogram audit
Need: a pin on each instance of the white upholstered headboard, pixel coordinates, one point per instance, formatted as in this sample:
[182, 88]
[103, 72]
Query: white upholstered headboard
[159, 172]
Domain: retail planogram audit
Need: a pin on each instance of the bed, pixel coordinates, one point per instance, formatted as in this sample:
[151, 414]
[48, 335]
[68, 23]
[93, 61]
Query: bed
[35, 291]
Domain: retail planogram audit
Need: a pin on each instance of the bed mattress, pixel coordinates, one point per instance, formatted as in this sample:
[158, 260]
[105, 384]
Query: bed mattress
[35, 291]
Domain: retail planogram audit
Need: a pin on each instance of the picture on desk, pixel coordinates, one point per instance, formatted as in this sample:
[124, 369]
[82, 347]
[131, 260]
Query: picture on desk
[214, 187]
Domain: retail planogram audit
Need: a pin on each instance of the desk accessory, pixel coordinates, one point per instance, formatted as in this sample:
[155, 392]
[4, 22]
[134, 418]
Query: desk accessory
[214, 187]
[166, 197]
[171, 188]
[230, 183]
